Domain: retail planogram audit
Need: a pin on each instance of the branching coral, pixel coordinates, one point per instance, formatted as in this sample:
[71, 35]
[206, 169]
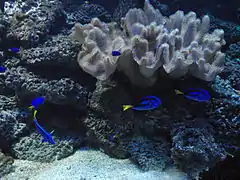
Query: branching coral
[148, 41]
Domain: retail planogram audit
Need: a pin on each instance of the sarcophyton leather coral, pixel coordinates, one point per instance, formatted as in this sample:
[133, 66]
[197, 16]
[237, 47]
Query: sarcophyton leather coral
[148, 41]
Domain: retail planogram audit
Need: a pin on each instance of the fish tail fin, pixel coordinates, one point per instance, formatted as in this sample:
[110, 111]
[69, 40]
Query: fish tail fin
[30, 108]
[35, 114]
[178, 92]
[126, 107]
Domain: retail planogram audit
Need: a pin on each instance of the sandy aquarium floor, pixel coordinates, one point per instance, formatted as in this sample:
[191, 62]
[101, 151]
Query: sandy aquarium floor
[87, 165]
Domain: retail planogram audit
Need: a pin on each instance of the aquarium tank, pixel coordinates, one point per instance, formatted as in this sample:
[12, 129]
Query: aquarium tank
[119, 90]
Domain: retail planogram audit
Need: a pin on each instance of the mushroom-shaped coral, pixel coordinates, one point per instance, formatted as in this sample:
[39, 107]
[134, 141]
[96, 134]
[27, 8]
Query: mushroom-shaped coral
[98, 41]
[148, 41]
[189, 48]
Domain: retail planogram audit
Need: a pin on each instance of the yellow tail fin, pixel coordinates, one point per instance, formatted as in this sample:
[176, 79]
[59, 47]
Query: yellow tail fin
[178, 92]
[34, 114]
[126, 107]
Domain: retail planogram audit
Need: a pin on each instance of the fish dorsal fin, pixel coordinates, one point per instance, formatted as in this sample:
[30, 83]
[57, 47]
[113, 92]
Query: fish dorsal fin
[52, 132]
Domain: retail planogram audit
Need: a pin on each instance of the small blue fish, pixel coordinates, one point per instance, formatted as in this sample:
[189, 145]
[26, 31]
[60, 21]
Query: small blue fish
[147, 103]
[231, 147]
[196, 94]
[14, 49]
[37, 102]
[47, 137]
[2, 69]
[116, 53]
[114, 137]
[84, 148]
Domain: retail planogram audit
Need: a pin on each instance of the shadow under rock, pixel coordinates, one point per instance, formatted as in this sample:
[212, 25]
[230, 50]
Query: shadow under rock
[227, 169]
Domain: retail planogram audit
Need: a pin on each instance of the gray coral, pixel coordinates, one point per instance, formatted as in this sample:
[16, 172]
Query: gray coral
[31, 148]
[6, 164]
[63, 91]
[11, 129]
[180, 44]
[33, 21]
[195, 150]
[149, 154]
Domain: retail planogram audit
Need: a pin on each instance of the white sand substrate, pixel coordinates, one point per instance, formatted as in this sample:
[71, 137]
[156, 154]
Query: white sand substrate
[87, 165]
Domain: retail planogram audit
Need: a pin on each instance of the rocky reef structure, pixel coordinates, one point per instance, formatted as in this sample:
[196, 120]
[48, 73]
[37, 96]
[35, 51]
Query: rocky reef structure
[192, 136]
[180, 44]
[5, 164]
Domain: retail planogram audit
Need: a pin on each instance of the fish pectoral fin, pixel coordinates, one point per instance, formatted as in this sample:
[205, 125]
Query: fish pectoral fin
[44, 140]
[178, 92]
[126, 107]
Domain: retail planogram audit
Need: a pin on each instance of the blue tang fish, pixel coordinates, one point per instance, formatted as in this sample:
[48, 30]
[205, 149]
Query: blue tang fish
[116, 53]
[147, 103]
[14, 49]
[86, 148]
[47, 137]
[37, 102]
[2, 69]
[196, 94]
[231, 147]
[114, 137]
